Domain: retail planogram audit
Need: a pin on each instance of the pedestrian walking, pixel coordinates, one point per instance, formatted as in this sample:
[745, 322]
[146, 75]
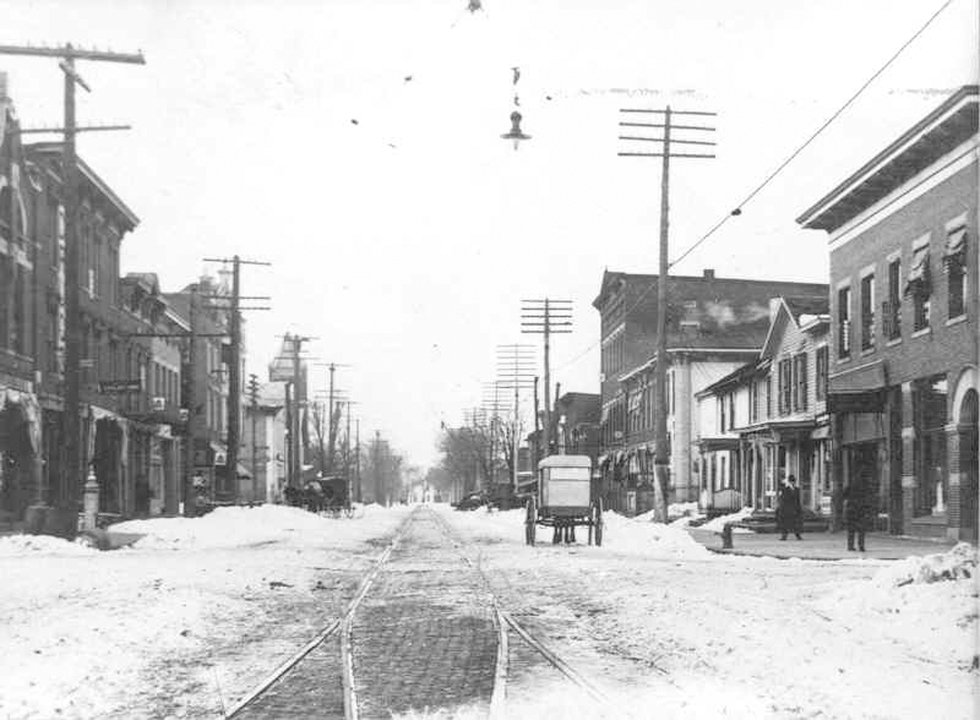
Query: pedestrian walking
[789, 509]
[858, 511]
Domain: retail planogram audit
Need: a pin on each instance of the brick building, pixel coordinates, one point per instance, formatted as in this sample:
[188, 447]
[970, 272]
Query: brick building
[714, 326]
[903, 367]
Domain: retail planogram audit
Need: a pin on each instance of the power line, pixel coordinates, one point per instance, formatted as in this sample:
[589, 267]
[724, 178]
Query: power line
[738, 208]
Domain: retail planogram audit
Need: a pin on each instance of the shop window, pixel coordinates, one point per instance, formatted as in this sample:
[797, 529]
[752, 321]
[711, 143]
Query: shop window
[954, 260]
[929, 396]
[919, 287]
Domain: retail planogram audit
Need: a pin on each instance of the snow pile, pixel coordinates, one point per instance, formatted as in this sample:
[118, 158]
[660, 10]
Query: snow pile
[21, 545]
[718, 524]
[226, 527]
[650, 538]
[958, 563]
[679, 510]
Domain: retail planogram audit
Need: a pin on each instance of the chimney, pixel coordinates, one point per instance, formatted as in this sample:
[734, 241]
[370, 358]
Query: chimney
[709, 273]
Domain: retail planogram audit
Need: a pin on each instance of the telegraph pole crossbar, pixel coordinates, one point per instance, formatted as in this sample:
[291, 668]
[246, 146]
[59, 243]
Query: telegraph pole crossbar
[661, 451]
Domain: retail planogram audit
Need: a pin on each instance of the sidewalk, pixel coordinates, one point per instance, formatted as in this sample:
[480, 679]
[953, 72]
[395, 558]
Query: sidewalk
[821, 546]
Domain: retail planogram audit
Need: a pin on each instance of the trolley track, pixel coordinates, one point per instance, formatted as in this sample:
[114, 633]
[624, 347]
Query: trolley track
[352, 667]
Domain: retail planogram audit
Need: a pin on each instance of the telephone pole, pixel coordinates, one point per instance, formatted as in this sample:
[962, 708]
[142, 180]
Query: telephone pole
[661, 460]
[253, 391]
[515, 371]
[234, 360]
[68, 54]
[333, 428]
[546, 317]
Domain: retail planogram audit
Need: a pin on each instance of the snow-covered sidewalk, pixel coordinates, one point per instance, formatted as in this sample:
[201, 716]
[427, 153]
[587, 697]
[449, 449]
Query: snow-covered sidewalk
[673, 630]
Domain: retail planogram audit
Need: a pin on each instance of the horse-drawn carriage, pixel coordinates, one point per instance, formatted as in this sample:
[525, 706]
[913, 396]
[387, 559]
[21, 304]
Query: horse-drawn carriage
[323, 494]
[564, 499]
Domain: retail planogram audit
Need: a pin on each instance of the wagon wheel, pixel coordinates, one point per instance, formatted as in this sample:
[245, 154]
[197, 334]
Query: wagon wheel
[596, 521]
[530, 521]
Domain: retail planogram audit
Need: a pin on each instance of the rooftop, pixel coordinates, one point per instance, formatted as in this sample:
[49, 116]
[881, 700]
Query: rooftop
[941, 131]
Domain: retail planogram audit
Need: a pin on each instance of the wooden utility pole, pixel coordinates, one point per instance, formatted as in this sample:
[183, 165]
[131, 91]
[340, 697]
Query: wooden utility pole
[357, 459]
[253, 388]
[234, 360]
[661, 460]
[74, 472]
[190, 404]
[546, 317]
[515, 370]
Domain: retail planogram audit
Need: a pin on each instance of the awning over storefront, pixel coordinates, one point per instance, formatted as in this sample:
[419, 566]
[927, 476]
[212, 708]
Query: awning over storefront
[714, 444]
[859, 389]
[28, 407]
[918, 279]
[820, 433]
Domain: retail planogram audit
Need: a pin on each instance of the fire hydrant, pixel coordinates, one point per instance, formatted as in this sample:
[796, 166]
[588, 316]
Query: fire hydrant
[726, 537]
[90, 502]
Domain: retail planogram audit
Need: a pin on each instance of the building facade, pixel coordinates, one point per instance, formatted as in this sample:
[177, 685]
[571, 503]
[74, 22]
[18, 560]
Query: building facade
[903, 369]
[714, 326]
[768, 419]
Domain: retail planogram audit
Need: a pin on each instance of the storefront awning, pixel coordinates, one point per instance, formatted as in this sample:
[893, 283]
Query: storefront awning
[714, 444]
[820, 433]
[918, 279]
[859, 389]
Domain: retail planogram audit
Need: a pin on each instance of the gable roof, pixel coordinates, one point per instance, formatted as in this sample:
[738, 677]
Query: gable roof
[795, 310]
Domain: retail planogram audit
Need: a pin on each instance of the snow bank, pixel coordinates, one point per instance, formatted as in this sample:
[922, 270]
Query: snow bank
[21, 545]
[227, 527]
[959, 563]
[650, 538]
[718, 524]
[678, 510]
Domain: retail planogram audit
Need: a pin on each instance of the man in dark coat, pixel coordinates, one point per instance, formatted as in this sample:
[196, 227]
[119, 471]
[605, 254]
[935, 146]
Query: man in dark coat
[858, 511]
[789, 509]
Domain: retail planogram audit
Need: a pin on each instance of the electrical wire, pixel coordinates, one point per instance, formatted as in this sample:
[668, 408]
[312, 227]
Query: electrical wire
[782, 166]
[738, 208]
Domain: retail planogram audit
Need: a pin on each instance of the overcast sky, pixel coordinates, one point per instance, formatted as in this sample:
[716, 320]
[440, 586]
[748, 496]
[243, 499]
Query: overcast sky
[405, 242]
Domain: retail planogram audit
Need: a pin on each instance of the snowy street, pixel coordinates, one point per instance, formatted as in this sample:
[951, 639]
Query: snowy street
[189, 619]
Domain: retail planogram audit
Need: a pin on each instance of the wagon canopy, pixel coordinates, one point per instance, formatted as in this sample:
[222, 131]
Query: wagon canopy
[566, 461]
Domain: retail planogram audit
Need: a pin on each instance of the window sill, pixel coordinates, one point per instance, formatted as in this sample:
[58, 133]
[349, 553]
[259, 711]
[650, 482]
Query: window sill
[922, 332]
[956, 320]
[842, 360]
[868, 351]
[893, 342]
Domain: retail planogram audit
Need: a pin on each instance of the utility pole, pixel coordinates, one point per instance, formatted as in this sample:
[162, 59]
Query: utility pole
[68, 54]
[253, 390]
[190, 403]
[535, 455]
[661, 460]
[357, 459]
[546, 317]
[234, 360]
[491, 405]
[333, 428]
[515, 370]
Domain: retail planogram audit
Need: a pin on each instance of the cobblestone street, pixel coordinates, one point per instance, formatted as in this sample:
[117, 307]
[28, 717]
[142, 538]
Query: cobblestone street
[424, 637]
